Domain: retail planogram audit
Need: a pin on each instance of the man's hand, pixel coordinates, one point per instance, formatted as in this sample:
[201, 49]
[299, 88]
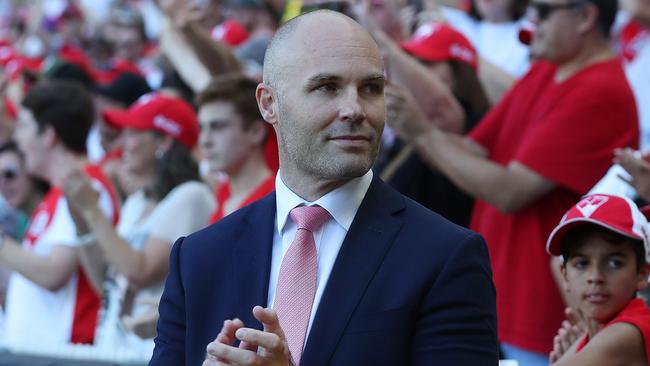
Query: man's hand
[267, 347]
[638, 166]
[570, 332]
[573, 329]
[144, 324]
[79, 191]
[404, 115]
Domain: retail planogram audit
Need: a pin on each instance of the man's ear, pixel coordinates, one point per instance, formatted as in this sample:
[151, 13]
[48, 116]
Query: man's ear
[588, 18]
[642, 277]
[165, 144]
[50, 137]
[267, 103]
[565, 280]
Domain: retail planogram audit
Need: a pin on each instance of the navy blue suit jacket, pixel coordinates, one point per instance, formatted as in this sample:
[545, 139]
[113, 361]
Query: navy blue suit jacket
[407, 288]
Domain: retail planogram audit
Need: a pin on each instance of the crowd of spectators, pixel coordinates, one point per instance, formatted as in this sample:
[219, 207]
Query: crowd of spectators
[125, 124]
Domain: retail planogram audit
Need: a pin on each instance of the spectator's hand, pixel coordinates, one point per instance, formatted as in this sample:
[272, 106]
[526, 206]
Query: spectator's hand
[404, 115]
[78, 190]
[570, 332]
[638, 166]
[588, 325]
[267, 347]
[182, 13]
[143, 325]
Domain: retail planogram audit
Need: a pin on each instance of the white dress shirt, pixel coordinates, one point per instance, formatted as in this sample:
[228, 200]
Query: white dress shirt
[342, 203]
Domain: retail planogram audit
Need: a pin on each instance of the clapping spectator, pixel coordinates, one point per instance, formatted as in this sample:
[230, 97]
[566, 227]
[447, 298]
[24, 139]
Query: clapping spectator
[130, 262]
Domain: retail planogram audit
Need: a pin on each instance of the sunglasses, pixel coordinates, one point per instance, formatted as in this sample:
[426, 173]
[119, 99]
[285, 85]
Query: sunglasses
[9, 173]
[542, 10]
[338, 6]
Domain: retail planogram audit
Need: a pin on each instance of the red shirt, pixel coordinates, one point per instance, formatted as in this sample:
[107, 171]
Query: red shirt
[566, 133]
[223, 195]
[636, 313]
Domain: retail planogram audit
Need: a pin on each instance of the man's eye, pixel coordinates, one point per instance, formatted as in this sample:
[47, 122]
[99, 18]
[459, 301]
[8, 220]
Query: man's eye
[373, 89]
[615, 263]
[328, 88]
[580, 263]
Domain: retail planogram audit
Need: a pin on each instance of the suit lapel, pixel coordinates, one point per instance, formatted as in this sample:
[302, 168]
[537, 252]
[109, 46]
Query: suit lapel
[371, 235]
[252, 260]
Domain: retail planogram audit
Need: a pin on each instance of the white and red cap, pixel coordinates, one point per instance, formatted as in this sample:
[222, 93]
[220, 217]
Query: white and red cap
[155, 111]
[440, 42]
[616, 213]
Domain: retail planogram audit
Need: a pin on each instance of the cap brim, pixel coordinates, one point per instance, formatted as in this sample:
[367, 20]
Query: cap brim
[118, 118]
[420, 52]
[553, 242]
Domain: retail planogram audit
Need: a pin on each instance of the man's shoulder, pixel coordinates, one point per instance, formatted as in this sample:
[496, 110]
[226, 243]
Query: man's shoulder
[420, 220]
[223, 231]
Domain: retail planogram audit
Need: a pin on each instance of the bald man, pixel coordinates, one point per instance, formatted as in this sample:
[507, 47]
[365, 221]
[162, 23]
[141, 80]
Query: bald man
[334, 268]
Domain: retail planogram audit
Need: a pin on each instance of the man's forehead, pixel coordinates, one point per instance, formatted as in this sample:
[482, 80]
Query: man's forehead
[319, 48]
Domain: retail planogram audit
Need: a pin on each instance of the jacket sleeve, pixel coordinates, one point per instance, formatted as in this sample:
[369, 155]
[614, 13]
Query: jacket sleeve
[170, 341]
[458, 324]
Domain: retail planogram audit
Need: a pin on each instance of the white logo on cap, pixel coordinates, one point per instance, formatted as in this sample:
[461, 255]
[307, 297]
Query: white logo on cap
[461, 52]
[145, 98]
[426, 30]
[589, 205]
[166, 124]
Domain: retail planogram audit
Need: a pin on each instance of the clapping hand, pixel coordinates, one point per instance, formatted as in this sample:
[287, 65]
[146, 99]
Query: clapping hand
[257, 347]
[79, 191]
[573, 329]
[403, 114]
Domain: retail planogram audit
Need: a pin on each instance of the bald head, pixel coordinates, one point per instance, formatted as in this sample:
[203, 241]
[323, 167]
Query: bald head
[303, 32]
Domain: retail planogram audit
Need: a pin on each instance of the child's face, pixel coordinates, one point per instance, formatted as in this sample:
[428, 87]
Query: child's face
[601, 277]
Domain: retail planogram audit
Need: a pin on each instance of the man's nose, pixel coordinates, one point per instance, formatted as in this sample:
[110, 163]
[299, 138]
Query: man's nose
[204, 139]
[350, 108]
[595, 275]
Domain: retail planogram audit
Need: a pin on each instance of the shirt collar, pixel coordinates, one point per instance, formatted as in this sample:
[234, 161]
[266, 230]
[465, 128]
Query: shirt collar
[342, 203]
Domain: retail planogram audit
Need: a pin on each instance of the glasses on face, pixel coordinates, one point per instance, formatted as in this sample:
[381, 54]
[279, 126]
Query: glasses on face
[338, 6]
[541, 10]
[9, 174]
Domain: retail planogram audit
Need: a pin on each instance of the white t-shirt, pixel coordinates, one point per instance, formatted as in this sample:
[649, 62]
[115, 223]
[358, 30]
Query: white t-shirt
[184, 209]
[498, 43]
[33, 312]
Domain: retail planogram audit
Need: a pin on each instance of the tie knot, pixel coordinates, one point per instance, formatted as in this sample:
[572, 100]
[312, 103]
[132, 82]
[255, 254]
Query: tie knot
[309, 217]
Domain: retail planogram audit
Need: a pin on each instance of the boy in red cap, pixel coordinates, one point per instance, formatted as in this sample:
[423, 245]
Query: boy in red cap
[603, 241]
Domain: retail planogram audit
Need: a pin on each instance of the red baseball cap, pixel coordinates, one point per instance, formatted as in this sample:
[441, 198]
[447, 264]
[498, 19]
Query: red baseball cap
[616, 213]
[440, 42]
[154, 111]
[231, 32]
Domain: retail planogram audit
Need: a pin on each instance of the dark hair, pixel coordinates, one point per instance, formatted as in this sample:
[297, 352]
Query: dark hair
[62, 70]
[468, 89]
[176, 166]
[124, 16]
[66, 106]
[576, 237]
[237, 89]
[125, 89]
[39, 184]
[517, 9]
[607, 10]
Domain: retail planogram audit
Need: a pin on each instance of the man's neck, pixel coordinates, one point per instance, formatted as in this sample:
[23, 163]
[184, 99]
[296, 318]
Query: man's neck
[61, 162]
[308, 188]
[597, 50]
[249, 176]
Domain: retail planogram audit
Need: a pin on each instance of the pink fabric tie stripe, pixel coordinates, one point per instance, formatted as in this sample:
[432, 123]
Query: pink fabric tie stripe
[297, 281]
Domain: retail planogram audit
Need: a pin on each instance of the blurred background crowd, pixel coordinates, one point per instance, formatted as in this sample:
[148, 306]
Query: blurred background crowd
[156, 134]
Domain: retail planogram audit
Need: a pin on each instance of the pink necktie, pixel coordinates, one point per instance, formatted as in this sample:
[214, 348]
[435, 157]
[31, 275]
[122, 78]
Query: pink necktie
[297, 281]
